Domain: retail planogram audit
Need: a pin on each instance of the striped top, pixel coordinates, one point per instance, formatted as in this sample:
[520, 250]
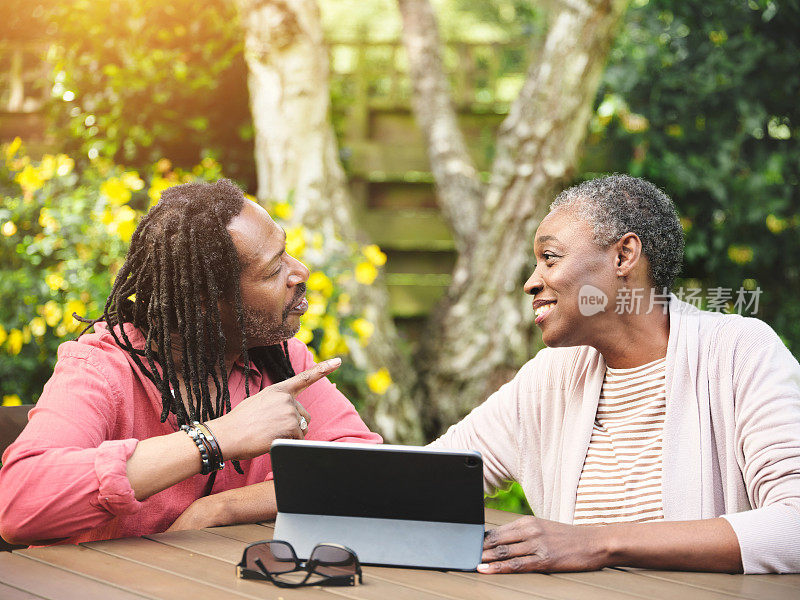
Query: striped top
[621, 477]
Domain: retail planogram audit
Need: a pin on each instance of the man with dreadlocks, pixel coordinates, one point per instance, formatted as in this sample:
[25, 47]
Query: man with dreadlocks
[191, 364]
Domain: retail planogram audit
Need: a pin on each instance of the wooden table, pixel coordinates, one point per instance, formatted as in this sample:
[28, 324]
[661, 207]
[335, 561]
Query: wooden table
[199, 565]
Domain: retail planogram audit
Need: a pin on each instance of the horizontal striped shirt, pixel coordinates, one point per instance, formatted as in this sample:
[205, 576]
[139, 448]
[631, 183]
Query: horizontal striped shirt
[621, 477]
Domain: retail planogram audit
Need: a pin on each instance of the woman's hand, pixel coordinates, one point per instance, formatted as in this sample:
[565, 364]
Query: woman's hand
[273, 413]
[533, 544]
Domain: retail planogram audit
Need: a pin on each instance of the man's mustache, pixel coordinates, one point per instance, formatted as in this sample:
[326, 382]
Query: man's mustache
[300, 291]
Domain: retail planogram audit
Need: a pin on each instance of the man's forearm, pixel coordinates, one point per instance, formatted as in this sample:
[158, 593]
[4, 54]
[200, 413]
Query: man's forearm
[247, 504]
[705, 545]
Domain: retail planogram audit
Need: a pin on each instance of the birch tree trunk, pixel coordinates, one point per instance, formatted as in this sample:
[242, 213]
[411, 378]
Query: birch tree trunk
[482, 331]
[297, 155]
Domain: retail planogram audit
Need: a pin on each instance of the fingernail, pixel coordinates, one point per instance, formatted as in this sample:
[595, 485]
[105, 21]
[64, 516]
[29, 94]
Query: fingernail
[333, 362]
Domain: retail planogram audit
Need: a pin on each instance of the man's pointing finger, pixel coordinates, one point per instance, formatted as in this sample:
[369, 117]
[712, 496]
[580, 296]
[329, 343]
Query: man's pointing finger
[296, 384]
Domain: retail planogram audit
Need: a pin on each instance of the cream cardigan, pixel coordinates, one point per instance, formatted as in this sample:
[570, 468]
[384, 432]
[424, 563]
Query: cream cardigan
[731, 435]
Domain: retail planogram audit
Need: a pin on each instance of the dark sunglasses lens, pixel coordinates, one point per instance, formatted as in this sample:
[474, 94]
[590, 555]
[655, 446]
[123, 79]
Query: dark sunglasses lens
[276, 557]
[333, 561]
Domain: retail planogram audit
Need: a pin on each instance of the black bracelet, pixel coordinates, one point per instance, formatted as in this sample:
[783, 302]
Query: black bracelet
[197, 438]
[215, 450]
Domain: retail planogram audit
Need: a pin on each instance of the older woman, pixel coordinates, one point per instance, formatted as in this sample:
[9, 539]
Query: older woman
[648, 433]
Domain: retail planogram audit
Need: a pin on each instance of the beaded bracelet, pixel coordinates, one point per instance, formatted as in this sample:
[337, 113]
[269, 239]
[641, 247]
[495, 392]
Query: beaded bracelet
[214, 449]
[197, 438]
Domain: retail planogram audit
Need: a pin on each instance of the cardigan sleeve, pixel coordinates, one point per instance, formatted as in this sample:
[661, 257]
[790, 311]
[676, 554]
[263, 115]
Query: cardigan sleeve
[493, 430]
[767, 438]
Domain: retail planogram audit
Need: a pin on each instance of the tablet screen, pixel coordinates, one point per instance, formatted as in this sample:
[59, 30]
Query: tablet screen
[389, 482]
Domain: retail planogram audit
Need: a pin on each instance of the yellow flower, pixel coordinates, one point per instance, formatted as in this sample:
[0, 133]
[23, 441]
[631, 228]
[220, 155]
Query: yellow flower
[374, 255]
[9, 228]
[47, 220]
[363, 328]
[162, 166]
[320, 282]
[331, 344]
[158, 185]
[54, 281]
[366, 273]
[283, 211]
[305, 335]
[38, 326]
[47, 167]
[12, 148]
[343, 306]
[295, 241]
[125, 223]
[3, 335]
[29, 179]
[379, 381]
[776, 224]
[115, 191]
[64, 165]
[132, 180]
[51, 312]
[73, 306]
[316, 305]
[12, 399]
[741, 255]
[14, 342]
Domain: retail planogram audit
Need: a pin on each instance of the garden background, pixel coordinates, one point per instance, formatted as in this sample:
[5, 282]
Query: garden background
[106, 103]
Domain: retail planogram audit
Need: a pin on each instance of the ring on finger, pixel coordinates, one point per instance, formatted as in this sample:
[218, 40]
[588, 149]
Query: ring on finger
[303, 424]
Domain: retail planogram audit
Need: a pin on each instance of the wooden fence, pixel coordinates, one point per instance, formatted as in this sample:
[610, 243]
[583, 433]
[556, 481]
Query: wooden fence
[385, 156]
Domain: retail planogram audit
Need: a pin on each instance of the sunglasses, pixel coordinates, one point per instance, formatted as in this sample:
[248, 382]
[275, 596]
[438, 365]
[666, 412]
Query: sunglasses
[276, 561]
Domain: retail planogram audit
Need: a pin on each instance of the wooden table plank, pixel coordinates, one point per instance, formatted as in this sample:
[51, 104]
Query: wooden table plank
[54, 583]
[198, 567]
[121, 573]
[11, 593]
[741, 586]
[549, 586]
[645, 587]
[785, 579]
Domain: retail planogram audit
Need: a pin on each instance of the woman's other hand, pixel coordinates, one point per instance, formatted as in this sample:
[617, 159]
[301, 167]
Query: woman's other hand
[533, 544]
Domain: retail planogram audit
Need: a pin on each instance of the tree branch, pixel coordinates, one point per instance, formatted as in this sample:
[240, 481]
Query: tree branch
[460, 192]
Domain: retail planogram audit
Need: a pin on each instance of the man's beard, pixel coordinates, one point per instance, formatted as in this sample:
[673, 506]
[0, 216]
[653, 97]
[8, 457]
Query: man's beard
[267, 330]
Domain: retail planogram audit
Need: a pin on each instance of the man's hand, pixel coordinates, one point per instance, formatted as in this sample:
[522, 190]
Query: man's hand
[532, 544]
[273, 413]
[199, 514]
[247, 504]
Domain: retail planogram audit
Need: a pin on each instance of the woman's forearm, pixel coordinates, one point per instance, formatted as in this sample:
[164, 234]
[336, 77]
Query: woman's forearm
[704, 545]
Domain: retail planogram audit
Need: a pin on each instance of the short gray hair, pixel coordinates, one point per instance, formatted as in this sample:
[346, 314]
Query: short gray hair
[618, 204]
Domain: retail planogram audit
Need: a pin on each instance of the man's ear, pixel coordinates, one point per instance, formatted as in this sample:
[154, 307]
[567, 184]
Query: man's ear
[629, 251]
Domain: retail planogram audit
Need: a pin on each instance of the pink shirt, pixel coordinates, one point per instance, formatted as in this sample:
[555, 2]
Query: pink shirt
[65, 476]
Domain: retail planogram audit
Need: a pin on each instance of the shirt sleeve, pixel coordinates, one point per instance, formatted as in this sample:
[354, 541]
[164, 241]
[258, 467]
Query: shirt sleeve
[493, 430]
[63, 475]
[767, 435]
[333, 416]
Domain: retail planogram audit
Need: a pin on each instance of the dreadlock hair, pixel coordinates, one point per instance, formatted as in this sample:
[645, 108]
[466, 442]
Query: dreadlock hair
[181, 261]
